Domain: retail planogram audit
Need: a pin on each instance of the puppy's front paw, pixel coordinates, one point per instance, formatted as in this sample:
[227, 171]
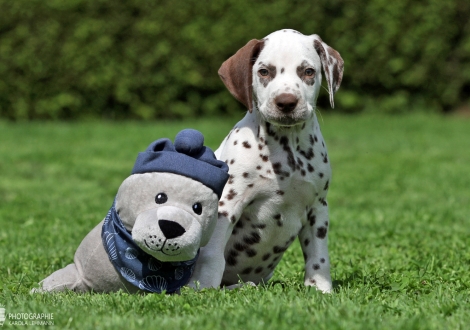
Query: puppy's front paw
[321, 283]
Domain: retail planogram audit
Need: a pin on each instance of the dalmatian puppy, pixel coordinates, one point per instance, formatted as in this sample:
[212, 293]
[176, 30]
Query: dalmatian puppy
[278, 163]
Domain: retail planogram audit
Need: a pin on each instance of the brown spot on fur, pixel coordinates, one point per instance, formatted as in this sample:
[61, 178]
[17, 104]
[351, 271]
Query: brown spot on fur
[310, 167]
[235, 142]
[250, 185]
[277, 167]
[279, 249]
[264, 157]
[221, 203]
[232, 161]
[245, 174]
[326, 185]
[307, 154]
[231, 194]
[246, 145]
[250, 253]
[258, 167]
[321, 232]
[259, 226]
[266, 256]
[311, 217]
[231, 259]
[224, 213]
[254, 238]
[247, 270]
[279, 192]
[240, 247]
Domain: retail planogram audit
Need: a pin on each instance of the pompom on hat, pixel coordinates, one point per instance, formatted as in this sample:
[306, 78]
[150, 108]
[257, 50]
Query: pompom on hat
[188, 157]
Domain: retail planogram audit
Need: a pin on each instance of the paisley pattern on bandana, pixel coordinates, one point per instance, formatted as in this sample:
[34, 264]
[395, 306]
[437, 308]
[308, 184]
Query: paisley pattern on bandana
[138, 267]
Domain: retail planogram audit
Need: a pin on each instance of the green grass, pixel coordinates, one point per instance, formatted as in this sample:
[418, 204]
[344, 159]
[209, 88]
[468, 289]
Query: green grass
[400, 227]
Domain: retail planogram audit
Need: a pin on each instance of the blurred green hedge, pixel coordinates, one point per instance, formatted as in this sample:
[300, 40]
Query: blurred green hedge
[69, 59]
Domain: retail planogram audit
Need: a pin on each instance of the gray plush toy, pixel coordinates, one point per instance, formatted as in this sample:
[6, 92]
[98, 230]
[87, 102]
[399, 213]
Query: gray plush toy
[162, 214]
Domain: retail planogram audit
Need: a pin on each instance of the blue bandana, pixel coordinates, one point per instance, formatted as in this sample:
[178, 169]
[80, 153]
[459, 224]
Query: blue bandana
[138, 267]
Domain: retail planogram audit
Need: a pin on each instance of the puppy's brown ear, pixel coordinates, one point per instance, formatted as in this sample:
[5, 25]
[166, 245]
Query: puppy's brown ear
[236, 72]
[333, 66]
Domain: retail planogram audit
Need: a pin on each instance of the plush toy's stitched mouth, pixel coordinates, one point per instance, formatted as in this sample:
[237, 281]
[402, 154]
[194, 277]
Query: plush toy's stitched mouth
[169, 254]
[160, 250]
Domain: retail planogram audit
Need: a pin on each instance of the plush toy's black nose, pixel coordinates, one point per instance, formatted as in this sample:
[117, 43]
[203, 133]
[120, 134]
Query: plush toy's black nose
[171, 229]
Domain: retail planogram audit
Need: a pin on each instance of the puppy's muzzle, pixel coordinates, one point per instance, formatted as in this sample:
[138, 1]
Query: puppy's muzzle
[171, 229]
[286, 102]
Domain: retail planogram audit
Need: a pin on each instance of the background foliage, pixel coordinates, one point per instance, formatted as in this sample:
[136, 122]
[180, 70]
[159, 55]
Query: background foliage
[159, 59]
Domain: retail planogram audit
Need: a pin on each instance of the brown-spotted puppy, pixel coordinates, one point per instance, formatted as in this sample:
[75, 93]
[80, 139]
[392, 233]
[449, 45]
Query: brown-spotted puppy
[279, 166]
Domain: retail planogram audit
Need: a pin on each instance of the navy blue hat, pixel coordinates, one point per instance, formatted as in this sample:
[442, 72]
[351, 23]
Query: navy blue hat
[188, 157]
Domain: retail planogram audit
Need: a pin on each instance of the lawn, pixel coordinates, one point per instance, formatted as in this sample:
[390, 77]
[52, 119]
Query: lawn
[400, 227]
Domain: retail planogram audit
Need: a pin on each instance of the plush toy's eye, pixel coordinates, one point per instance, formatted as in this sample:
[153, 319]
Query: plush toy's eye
[197, 208]
[161, 198]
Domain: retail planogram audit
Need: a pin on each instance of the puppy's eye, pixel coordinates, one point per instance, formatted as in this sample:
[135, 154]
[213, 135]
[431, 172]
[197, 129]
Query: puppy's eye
[263, 72]
[197, 208]
[309, 72]
[161, 198]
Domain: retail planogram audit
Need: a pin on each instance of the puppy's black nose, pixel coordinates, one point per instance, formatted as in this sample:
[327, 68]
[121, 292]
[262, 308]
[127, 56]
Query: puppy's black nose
[171, 229]
[286, 102]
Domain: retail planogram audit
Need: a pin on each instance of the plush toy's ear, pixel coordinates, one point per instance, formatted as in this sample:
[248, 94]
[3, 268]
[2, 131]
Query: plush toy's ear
[332, 64]
[236, 72]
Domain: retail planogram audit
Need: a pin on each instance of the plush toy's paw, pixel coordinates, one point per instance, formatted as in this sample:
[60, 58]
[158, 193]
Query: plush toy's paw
[239, 285]
[36, 290]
